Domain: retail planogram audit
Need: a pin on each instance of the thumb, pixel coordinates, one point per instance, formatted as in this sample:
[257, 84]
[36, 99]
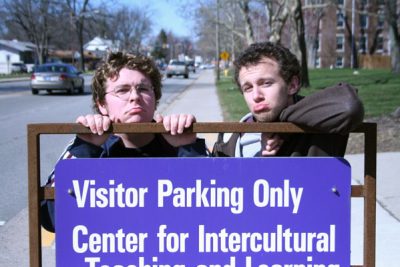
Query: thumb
[158, 118]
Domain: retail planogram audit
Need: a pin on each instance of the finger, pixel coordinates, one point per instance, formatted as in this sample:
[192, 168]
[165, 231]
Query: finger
[158, 118]
[106, 123]
[167, 123]
[91, 123]
[269, 153]
[174, 124]
[82, 120]
[98, 121]
[181, 123]
[190, 120]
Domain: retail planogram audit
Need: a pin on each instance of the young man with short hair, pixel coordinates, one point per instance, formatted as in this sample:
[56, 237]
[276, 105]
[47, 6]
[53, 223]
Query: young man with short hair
[268, 76]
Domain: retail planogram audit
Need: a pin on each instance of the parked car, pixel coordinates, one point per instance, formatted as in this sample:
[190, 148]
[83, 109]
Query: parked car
[176, 67]
[56, 76]
[18, 67]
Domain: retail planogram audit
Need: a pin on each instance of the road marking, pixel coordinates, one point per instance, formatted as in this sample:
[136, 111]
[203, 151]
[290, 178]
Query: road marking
[2, 223]
[47, 238]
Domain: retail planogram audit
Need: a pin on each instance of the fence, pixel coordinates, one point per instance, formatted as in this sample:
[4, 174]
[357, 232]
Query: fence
[375, 62]
[37, 193]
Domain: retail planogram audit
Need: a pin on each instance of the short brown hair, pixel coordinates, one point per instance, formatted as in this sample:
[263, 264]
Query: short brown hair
[113, 65]
[289, 66]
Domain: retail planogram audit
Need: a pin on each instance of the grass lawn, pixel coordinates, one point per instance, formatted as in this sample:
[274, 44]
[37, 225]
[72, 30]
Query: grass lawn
[379, 90]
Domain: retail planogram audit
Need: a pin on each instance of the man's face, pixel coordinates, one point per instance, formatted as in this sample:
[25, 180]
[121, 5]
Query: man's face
[264, 90]
[136, 105]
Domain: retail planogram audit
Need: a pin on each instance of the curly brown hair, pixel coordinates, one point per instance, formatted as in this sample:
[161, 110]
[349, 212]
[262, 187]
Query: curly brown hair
[288, 64]
[111, 67]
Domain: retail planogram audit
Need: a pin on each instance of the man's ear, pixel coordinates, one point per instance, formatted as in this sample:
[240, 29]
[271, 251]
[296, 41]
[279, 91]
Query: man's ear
[294, 86]
[102, 108]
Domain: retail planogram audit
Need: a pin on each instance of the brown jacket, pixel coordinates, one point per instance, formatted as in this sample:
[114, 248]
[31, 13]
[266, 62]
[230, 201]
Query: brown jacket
[333, 111]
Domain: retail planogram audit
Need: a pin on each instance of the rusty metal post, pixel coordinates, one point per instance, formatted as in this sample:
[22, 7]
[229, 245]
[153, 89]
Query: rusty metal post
[370, 149]
[34, 197]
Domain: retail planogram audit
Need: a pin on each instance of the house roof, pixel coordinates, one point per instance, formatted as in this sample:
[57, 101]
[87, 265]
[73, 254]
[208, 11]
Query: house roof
[100, 44]
[17, 45]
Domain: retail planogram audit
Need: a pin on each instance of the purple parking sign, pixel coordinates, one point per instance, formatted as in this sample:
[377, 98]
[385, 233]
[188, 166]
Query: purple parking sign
[202, 212]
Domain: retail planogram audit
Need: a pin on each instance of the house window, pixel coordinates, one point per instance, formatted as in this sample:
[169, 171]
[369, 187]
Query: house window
[379, 44]
[364, 4]
[317, 62]
[340, 42]
[362, 47]
[363, 21]
[339, 62]
[340, 2]
[339, 19]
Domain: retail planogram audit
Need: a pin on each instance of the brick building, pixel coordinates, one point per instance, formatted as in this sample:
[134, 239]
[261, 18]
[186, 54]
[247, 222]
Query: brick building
[330, 45]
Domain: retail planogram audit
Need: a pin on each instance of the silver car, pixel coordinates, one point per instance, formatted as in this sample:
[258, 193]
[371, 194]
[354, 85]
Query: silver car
[56, 76]
[176, 67]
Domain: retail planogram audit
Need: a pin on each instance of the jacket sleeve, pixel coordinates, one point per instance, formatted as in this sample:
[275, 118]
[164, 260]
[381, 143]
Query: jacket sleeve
[336, 109]
[196, 149]
[76, 149]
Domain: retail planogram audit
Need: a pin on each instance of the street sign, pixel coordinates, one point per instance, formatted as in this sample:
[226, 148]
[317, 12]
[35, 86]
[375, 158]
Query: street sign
[199, 212]
[224, 55]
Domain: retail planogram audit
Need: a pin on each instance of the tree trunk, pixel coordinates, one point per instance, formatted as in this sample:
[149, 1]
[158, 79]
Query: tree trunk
[298, 16]
[244, 7]
[392, 19]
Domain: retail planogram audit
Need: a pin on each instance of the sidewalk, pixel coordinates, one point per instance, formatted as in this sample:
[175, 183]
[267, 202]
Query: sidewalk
[201, 100]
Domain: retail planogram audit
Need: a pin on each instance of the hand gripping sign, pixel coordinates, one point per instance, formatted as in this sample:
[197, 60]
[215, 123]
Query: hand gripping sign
[191, 212]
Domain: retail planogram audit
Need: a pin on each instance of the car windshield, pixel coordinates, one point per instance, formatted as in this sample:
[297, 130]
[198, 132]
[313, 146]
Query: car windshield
[51, 68]
[177, 63]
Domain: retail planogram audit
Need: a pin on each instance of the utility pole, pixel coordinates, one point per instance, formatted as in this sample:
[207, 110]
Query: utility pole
[217, 41]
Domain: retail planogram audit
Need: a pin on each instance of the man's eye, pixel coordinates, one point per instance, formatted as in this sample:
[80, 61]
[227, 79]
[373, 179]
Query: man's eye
[144, 88]
[266, 84]
[121, 91]
[246, 89]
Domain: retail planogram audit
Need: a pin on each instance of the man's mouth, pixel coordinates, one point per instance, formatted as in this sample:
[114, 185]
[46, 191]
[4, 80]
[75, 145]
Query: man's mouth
[135, 110]
[261, 108]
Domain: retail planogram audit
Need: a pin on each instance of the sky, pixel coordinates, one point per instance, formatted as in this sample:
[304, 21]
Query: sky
[165, 16]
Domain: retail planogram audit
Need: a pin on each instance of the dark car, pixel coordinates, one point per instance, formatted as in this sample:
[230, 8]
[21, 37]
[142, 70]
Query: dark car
[18, 67]
[56, 76]
[191, 66]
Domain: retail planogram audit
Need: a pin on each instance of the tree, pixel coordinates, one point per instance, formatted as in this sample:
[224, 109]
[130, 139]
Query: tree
[161, 46]
[131, 26]
[244, 7]
[277, 13]
[297, 14]
[78, 11]
[393, 19]
[33, 18]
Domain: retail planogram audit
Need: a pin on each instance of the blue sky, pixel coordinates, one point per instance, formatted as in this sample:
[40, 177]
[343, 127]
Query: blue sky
[165, 16]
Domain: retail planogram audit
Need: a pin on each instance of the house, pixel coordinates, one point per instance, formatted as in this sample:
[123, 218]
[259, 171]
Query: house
[14, 51]
[100, 46]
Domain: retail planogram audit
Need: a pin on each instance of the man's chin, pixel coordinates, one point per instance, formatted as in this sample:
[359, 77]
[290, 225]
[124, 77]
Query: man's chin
[264, 117]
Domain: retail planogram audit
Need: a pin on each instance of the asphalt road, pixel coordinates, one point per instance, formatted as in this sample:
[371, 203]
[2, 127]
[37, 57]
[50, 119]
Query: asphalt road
[18, 107]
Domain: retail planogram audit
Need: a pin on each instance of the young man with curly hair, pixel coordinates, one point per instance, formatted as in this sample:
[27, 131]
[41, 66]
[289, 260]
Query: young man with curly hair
[126, 89]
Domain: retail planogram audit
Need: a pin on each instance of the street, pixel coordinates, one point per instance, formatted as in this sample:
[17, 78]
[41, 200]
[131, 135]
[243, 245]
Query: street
[18, 107]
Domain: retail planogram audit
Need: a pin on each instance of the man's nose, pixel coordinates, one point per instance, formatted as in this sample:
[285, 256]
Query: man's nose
[257, 93]
[133, 94]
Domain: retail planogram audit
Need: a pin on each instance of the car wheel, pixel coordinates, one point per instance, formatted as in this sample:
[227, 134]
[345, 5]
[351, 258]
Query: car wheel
[169, 75]
[71, 89]
[35, 91]
[186, 76]
[81, 89]
[49, 91]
